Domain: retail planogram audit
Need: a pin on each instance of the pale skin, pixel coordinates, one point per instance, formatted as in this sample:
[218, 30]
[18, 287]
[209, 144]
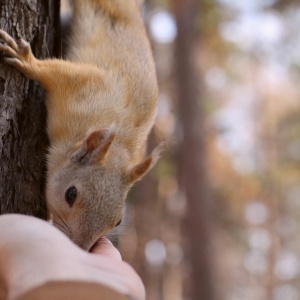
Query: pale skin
[32, 252]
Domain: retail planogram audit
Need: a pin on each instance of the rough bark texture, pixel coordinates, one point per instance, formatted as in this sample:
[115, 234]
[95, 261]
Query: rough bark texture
[23, 139]
[191, 166]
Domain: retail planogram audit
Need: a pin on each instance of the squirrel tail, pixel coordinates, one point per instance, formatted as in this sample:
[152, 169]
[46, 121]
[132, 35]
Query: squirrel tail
[101, 10]
[96, 23]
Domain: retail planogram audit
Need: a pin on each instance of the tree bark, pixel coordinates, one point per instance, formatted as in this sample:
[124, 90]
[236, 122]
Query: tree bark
[192, 154]
[23, 139]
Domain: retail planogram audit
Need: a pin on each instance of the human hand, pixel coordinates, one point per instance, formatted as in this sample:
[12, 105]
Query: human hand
[32, 252]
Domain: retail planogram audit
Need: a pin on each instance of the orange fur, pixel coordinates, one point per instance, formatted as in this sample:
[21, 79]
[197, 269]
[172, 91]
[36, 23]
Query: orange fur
[107, 85]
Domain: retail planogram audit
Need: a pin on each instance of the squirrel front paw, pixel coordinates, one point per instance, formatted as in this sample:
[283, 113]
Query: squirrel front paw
[18, 54]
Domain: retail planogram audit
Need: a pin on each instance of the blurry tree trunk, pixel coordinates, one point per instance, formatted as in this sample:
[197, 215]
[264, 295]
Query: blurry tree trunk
[147, 219]
[22, 110]
[192, 160]
[150, 214]
[148, 222]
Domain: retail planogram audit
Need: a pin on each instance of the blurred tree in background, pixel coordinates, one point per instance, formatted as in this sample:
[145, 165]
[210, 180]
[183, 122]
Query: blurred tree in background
[192, 164]
[229, 98]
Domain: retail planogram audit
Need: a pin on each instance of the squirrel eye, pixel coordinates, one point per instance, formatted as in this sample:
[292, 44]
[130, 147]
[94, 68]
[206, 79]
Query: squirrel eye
[71, 195]
[119, 223]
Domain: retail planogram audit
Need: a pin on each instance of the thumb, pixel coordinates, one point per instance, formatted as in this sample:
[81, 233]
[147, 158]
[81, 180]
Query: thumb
[104, 247]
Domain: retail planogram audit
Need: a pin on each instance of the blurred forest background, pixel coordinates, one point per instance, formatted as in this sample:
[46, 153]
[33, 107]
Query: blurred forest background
[219, 217]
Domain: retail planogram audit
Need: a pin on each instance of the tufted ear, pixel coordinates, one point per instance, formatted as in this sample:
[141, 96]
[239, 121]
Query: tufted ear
[137, 172]
[94, 147]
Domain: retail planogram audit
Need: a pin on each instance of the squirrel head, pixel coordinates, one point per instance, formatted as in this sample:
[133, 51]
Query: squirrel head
[86, 196]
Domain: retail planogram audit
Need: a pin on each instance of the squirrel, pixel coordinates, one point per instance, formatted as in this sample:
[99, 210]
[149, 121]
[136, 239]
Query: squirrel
[101, 102]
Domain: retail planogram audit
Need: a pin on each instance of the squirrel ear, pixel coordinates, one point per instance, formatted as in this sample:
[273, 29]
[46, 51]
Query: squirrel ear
[138, 171]
[95, 147]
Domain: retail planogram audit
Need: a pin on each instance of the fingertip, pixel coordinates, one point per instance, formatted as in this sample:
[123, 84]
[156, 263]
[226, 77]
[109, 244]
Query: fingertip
[104, 247]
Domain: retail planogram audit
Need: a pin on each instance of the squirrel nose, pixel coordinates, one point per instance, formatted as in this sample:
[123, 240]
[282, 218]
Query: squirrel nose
[84, 242]
[80, 242]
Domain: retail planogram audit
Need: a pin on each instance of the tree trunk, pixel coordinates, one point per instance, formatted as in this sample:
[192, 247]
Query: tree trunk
[192, 167]
[23, 138]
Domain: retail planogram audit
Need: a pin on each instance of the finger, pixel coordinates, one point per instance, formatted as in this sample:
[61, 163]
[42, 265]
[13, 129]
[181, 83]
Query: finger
[104, 247]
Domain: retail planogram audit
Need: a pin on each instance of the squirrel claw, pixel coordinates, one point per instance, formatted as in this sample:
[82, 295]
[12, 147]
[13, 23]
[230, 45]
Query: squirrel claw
[18, 53]
[23, 46]
[12, 48]
[8, 40]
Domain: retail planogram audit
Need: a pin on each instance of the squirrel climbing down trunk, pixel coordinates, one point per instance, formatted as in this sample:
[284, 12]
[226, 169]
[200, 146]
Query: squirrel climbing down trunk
[101, 105]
